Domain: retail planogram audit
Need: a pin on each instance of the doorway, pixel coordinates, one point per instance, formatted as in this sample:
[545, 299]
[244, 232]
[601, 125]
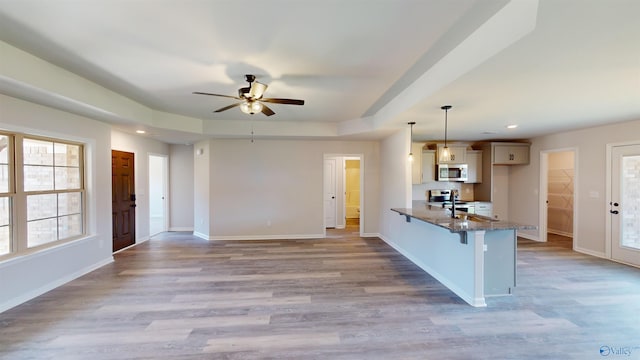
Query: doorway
[623, 198]
[343, 186]
[352, 192]
[123, 199]
[557, 194]
[158, 194]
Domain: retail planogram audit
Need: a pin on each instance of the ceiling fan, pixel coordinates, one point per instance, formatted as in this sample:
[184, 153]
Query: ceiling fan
[251, 100]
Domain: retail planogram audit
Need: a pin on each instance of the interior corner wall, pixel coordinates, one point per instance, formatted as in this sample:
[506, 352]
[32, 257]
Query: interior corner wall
[590, 175]
[141, 147]
[181, 177]
[201, 189]
[28, 276]
[274, 188]
[395, 184]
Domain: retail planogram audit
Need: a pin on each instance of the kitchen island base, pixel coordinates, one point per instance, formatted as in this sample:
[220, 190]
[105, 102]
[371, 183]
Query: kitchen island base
[482, 265]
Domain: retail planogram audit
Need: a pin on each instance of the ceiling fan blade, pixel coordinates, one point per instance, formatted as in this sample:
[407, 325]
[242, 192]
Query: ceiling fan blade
[227, 96]
[257, 90]
[266, 110]
[227, 107]
[283, 101]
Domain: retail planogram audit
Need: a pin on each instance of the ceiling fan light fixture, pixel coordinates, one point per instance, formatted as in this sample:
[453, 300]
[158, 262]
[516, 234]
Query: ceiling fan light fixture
[257, 90]
[251, 107]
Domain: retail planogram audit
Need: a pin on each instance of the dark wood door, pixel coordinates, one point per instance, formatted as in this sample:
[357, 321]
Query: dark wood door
[123, 199]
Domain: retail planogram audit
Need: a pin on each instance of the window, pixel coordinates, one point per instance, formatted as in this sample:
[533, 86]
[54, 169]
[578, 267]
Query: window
[47, 205]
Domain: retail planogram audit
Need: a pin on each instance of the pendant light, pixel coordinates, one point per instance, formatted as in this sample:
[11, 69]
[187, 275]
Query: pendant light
[444, 156]
[411, 140]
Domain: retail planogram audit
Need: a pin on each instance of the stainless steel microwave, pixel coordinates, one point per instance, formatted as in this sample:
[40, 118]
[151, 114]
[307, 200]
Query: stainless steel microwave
[451, 172]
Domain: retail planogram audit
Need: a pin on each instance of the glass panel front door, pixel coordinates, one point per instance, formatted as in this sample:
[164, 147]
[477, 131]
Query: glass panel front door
[625, 204]
[630, 192]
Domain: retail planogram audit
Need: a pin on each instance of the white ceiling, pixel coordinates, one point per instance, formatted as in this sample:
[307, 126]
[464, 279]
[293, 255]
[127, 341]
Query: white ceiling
[369, 66]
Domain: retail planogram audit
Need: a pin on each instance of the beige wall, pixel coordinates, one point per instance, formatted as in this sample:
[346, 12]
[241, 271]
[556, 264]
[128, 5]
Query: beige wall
[181, 178]
[590, 172]
[274, 188]
[38, 272]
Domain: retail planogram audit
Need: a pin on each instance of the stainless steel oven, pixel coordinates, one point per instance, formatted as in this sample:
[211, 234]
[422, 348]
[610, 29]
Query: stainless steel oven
[451, 172]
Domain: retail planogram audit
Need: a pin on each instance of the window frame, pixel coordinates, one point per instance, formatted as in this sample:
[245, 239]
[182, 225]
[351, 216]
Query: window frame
[19, 242]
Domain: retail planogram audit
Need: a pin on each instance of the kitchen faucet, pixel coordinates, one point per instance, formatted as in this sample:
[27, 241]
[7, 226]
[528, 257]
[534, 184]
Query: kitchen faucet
[453, 195]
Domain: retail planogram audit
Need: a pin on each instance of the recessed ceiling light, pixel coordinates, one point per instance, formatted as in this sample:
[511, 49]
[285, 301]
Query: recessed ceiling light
[140, 131]
[512, 126]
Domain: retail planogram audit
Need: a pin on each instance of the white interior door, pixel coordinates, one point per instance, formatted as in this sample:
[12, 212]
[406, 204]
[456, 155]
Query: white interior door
[330, 193]
[625, 204]
[157, 194]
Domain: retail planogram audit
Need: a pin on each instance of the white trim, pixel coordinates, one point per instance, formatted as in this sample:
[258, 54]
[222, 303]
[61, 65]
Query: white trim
[608, 241]
[138, 242]
[561, 233]
[175, 229]
[266, 237]
[370, 235]
[201, 235]
[591, 252]
[52, 285]
[529, 237]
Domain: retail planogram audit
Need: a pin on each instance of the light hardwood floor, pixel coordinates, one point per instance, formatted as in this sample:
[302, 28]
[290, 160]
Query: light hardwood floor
[343, 297]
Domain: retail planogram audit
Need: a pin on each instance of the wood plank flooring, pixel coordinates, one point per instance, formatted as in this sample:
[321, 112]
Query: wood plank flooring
[343, 297]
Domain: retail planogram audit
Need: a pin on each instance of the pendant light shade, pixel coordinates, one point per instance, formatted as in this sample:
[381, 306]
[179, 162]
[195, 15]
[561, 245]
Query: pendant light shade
[411, 140]
[444, 156]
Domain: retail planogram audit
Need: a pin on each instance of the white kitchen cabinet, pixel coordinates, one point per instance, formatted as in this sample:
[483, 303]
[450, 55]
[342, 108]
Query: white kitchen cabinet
[428, 166]
[416, 166]
[510, 153]
[457, 154]
[474, 166]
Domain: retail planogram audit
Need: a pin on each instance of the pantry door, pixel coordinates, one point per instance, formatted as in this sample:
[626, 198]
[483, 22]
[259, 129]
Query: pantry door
[624, 205]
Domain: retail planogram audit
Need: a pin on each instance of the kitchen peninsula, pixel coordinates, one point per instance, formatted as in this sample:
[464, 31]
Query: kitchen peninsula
[474, 256]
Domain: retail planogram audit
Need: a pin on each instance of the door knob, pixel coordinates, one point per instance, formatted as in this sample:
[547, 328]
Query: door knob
[613, 211]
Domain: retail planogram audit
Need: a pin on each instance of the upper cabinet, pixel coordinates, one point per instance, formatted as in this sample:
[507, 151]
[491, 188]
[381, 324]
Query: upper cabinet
[428, 166]
[510, 153]
[474, 166]
[416, 166]
[457, 154]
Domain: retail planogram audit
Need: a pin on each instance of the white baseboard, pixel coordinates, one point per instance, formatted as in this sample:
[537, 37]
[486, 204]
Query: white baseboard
[52, 285]
[201, 235]
[370, 235]
[561, 233]
[591, 252]
[263, 237]
[529, 237]
[181, 229]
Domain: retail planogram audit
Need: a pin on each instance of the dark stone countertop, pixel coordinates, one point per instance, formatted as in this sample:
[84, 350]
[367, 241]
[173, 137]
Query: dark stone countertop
[438, 216]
